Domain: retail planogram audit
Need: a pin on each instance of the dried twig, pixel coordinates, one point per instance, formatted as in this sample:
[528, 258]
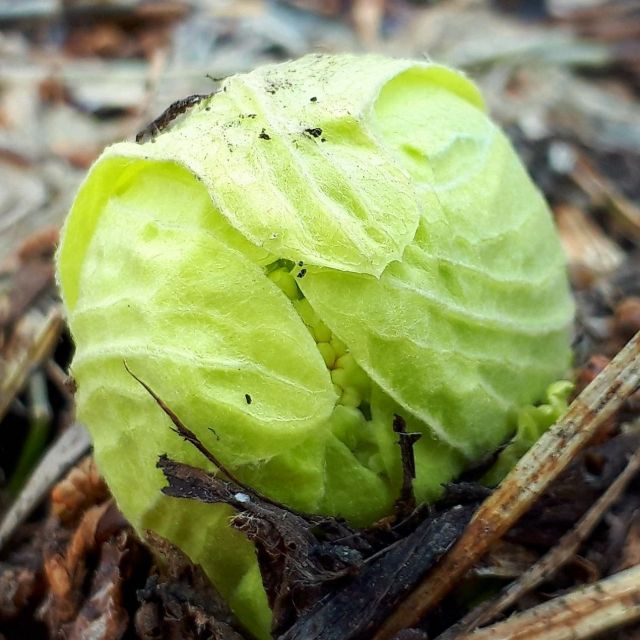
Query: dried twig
[526, 482]
[551, 562]
[581, 614]
[406, 502]
[39, 335]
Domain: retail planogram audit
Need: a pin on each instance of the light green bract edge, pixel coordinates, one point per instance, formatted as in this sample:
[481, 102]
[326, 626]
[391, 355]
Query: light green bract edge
[337, 239]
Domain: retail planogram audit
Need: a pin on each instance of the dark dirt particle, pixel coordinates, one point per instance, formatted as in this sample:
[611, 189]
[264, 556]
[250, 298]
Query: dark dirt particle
[313, 99]
[314, 132]
[178, 601]
[301, 273]
[248, 398]
[264, 135]
[346, 614]
[574, 492]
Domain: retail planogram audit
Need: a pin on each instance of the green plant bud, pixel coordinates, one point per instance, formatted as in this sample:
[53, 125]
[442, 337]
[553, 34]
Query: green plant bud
[350, 397]
[338, 346]
[306, 313]
[358, 202]
[328, 353]
[339, 377]
[286, 282]
[322, 333]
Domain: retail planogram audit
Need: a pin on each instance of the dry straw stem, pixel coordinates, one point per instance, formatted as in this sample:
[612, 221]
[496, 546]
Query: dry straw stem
[526, 482]
[36, 335]
[550, 563]
[582, 614]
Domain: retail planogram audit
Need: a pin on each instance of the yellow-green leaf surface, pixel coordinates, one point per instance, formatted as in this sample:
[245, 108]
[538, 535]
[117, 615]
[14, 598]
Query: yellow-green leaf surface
[317, 246]
[454, 331]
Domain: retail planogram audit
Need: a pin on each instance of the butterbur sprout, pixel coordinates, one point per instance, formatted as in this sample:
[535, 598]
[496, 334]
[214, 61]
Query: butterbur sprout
[316, 247]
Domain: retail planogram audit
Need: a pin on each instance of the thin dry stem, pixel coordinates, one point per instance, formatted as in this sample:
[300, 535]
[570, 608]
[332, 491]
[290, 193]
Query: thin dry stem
[581, 614]
[38, 336]
[526, 482]
[551, 562]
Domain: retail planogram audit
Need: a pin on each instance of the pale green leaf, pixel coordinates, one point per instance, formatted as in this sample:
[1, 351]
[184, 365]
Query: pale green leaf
[433, 284]
[474, 321]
